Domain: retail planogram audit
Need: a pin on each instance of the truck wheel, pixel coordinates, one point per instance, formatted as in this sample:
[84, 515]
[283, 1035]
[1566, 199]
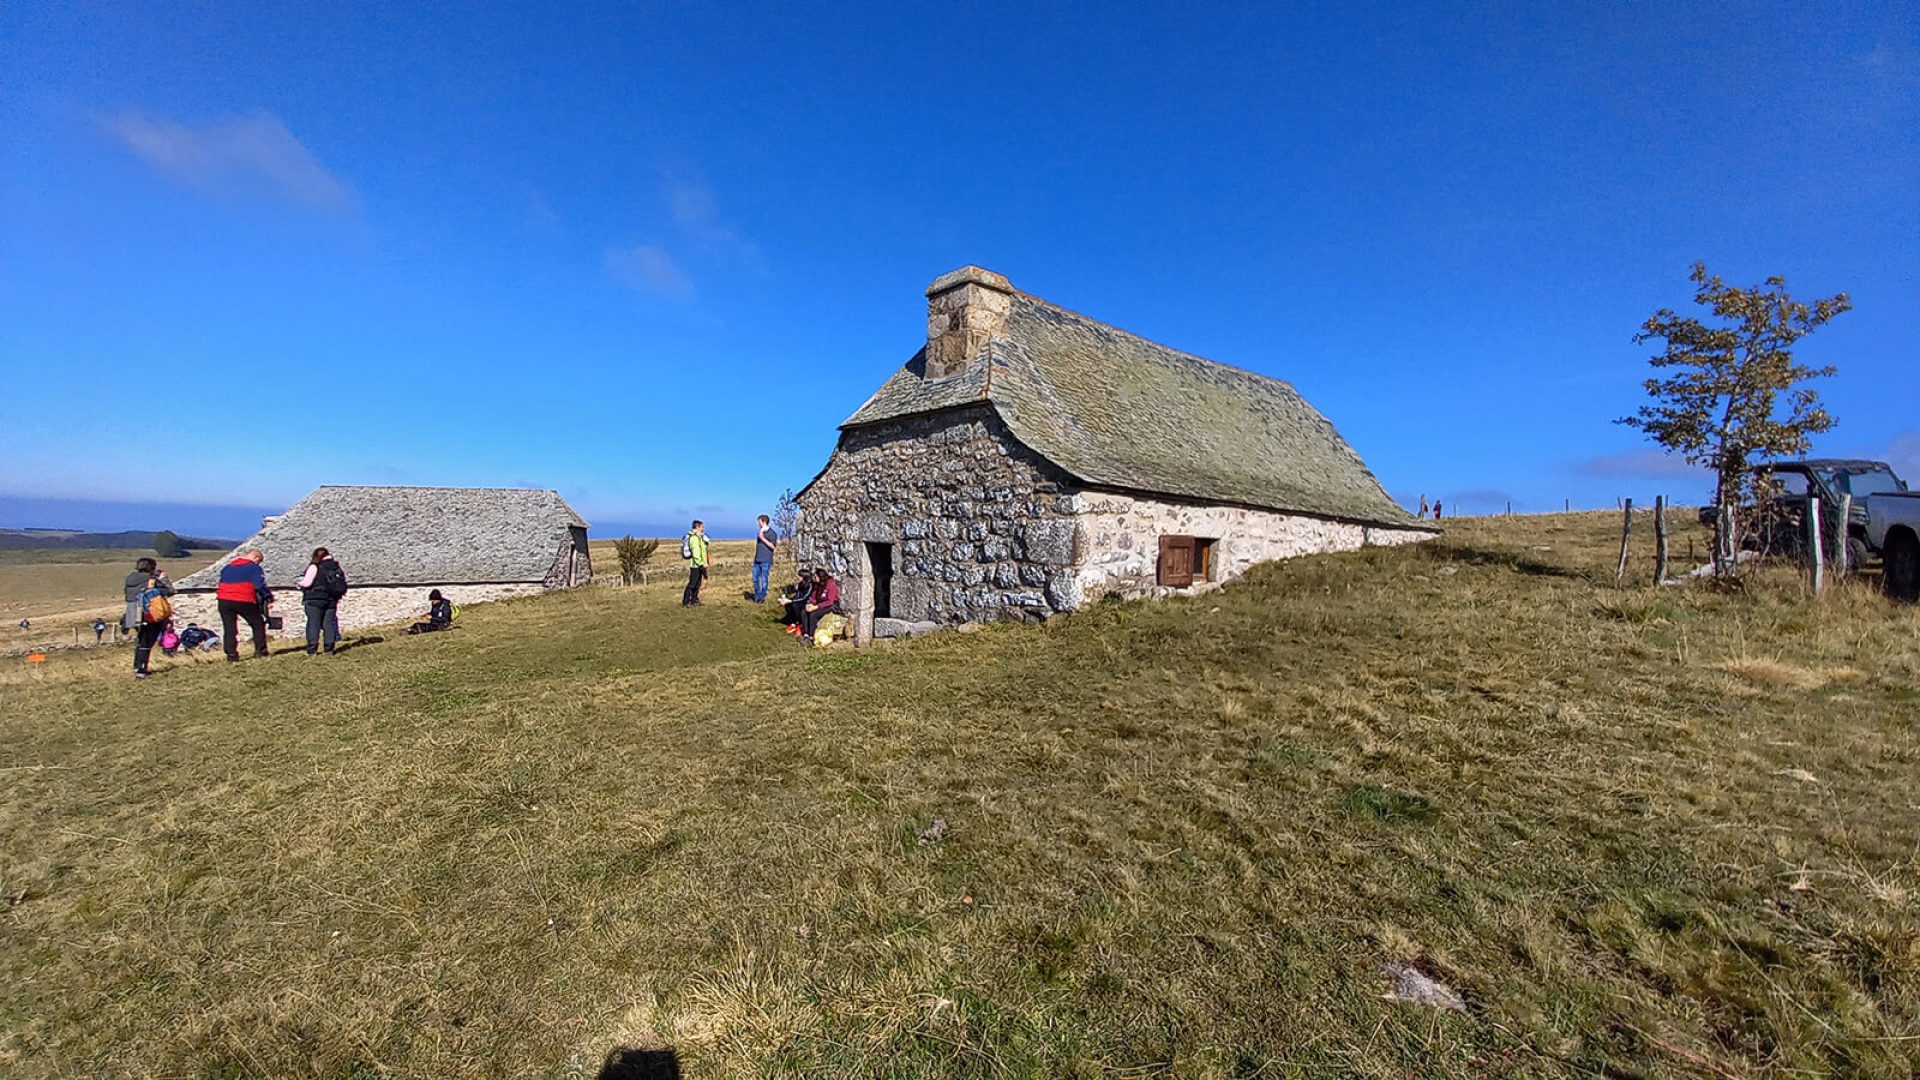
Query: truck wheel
[1857, 555]
[1902, 567]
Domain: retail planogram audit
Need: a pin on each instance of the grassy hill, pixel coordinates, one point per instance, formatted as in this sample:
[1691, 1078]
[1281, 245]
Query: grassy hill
[61, 589]
[1644, 834]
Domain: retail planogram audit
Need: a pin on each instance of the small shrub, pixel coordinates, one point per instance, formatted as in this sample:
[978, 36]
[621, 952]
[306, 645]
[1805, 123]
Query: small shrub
[634, 555]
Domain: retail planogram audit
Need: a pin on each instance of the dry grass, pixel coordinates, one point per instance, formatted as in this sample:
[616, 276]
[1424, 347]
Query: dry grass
[1182, 838]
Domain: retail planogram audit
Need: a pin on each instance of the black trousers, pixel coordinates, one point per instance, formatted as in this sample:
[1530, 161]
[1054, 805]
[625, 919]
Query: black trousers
[810, 620]
[231, 612]
[145, 636]
[695, 575]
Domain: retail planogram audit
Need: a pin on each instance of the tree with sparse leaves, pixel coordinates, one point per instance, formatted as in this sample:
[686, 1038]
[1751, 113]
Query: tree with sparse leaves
[786, 517]
[1732, 391]
[167, 545]
[633, 555]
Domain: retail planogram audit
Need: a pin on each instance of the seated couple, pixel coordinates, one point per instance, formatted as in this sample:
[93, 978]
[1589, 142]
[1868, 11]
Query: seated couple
[812, 597]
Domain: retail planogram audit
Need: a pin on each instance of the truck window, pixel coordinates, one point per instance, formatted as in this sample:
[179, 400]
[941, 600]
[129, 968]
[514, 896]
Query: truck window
[1862, 484]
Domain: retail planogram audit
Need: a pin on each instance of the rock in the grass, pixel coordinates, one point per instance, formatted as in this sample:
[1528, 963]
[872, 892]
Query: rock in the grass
[935, 832]
[1415, 987]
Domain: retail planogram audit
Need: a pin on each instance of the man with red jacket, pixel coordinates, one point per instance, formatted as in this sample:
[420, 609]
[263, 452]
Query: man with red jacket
[243, 595]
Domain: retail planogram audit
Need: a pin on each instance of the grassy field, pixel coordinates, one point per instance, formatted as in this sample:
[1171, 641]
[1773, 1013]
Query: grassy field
[1643, 834]
[61, 588]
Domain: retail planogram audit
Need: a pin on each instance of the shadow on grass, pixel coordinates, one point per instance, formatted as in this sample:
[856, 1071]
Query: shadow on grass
[1517, 561]
[626, 1063]
[344, 645]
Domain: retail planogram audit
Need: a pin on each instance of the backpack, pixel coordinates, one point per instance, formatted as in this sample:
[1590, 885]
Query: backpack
[154, 605]
[331, 581]
[686, 546]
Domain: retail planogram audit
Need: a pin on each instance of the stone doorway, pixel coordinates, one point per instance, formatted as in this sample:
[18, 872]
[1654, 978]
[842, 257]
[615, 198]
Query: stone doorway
[880, 579]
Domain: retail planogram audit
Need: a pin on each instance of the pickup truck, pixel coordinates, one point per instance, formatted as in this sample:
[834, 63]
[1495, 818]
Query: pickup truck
[1778, 520]
[1893, 528]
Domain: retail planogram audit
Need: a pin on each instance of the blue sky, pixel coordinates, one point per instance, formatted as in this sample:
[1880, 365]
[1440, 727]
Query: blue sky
[651, 256]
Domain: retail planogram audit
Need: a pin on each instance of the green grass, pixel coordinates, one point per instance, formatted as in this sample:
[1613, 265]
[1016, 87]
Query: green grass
[1644, 834]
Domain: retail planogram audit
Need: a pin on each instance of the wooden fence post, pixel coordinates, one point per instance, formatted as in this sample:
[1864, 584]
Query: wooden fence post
[1626, 530]
[1660, 539]
[1813, 543]
[1842, 526]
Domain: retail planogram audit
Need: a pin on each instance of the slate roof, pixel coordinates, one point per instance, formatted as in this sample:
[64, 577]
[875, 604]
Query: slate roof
[1116, 410]
[413, 536]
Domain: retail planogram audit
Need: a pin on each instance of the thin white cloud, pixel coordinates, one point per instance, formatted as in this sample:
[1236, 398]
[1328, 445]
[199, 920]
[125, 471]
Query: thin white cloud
[697, 216]
[252, 153]
[650, 269]
[1644, 462]
[1903, 453]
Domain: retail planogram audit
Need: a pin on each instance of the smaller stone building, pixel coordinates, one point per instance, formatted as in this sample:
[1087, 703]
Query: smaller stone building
[398, 543]
[1028, 460]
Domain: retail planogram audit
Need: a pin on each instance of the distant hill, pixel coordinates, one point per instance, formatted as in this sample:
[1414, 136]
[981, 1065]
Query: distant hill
[15, 539]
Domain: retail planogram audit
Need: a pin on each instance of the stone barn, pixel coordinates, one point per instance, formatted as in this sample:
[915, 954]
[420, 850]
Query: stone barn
[397, 543]
[1028, 460]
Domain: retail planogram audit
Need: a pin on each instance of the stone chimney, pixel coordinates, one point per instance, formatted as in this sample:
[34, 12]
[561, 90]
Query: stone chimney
[964, 309]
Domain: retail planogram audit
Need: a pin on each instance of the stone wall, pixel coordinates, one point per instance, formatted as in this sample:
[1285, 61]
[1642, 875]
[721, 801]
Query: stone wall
[981, 527]
[573, 566]
[1121, 536]
[361, 608]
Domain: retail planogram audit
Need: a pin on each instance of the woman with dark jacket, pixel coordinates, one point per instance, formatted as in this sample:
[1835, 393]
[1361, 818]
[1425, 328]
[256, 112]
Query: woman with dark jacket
[321, 587]
[146, 575]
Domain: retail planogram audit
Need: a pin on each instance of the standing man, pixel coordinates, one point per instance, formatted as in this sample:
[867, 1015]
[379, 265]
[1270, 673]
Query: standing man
[763, 559]
[694, 547]
[243, 595]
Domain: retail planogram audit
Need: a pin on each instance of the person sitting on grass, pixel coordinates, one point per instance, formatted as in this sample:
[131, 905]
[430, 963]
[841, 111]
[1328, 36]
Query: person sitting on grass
[794, 600]
[439, 615]
[824, 601]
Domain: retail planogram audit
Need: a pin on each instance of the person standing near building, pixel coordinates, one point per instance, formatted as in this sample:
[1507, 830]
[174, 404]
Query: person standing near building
[694, 548]
[243, 595]
[763, 542]
[321, 587]
[146, 577]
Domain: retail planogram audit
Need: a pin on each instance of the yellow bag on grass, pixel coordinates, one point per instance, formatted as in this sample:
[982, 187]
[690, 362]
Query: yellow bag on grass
[831, 626]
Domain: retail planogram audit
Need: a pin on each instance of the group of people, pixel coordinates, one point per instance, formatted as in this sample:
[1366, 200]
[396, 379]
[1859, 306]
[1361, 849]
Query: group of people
[813, 595]
[243, 597]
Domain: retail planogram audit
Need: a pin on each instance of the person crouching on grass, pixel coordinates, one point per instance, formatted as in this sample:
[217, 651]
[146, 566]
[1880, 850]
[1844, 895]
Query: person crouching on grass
[244, 596]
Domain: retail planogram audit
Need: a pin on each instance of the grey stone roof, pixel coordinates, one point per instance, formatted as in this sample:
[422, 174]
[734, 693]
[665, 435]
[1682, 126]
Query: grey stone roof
[413, 536]
[1117, 410]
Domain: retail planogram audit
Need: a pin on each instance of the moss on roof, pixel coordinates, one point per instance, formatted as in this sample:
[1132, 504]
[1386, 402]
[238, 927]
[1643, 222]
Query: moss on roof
[1116, 410]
